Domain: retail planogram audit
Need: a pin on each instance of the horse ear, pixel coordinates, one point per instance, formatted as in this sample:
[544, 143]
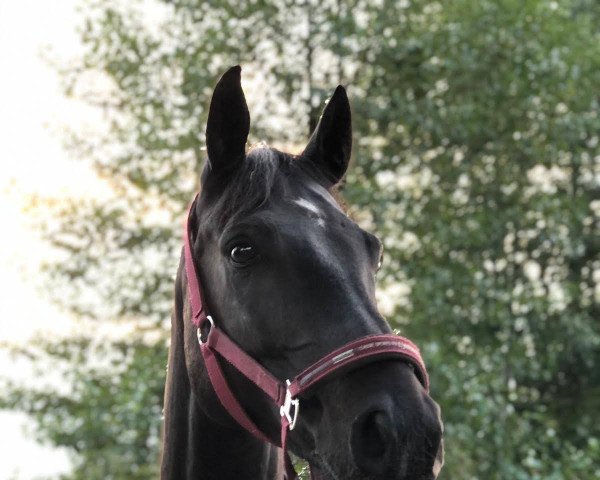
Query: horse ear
[330, 145]
[228, 123]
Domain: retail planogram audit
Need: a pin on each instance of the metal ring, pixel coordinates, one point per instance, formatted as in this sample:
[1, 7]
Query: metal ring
[199, 332]
[285, 410]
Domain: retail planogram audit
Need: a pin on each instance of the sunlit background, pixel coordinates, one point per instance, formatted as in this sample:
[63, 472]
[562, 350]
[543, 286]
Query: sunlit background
[478, 164]
[33, 164]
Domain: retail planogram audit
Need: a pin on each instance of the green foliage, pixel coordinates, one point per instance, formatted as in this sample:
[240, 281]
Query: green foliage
[477, 161]
[483, 196]
[102, 400]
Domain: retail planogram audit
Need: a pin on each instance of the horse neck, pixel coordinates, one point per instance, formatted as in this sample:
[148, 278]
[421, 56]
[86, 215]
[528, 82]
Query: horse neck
[194, 445]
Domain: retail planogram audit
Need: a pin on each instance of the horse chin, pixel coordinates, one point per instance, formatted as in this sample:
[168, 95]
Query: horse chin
[323, 470]
[328, 473]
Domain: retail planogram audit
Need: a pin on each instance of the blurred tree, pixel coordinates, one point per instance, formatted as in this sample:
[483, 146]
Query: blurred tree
[106, 410]
[477, 161]
[486, 196]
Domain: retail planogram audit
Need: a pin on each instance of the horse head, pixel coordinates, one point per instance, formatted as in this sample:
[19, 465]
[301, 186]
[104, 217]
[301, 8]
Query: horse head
[290, 277]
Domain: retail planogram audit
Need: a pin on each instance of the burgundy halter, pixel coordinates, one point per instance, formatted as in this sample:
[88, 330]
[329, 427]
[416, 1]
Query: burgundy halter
[285, 395]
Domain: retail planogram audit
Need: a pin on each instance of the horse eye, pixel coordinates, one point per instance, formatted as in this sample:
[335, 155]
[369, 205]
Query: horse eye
[380, 263]
[242, 254]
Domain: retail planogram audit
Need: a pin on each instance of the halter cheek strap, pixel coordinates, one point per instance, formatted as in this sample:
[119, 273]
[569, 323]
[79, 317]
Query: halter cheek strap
[285, 395]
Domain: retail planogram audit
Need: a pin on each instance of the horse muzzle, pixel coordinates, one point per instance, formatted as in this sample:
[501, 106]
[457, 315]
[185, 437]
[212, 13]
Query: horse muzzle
[377, 423]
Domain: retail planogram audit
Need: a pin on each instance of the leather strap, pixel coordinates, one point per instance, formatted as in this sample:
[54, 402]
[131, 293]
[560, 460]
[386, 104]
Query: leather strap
[357, 352]
[194, 289]
[246, 365]
[226, 396]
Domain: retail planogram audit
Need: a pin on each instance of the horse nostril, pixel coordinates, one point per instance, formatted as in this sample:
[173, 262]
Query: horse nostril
[372, 442]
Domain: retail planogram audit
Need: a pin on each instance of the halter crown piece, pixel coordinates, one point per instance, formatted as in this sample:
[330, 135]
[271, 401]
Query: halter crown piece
[286, 395]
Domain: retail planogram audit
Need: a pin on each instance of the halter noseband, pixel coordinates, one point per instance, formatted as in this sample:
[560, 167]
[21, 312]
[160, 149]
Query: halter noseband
[285, 395]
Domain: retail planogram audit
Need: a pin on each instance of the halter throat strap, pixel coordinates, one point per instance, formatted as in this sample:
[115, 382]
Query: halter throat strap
[215, 343]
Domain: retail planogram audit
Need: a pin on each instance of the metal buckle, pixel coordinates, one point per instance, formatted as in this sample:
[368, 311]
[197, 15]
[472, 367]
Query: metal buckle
[288, 403]
[199, 332]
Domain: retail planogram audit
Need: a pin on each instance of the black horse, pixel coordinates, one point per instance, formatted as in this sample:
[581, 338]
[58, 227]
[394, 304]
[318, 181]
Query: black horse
[290, 278]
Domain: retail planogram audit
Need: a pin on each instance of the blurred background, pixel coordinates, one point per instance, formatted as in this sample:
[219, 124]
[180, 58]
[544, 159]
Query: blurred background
[476, 160]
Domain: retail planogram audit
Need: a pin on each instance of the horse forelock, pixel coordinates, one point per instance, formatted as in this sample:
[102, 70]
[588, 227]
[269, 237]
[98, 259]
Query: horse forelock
[248, 187]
